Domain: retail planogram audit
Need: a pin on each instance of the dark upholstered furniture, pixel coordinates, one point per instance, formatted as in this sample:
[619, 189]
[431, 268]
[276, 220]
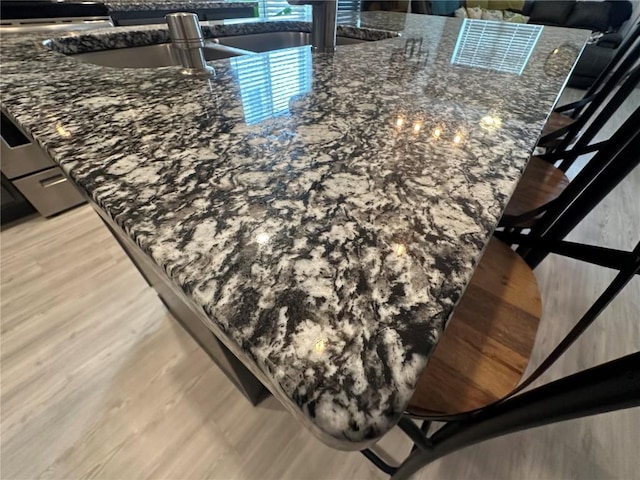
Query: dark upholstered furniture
[606, 16]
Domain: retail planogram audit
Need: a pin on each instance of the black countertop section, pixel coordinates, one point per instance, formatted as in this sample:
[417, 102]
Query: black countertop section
[13, 10]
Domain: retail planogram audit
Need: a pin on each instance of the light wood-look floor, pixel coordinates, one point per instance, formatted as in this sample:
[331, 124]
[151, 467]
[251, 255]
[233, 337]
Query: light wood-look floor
[98, 381]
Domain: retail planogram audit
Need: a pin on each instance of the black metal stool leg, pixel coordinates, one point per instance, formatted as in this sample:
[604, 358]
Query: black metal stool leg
[582, 195]
[612, 386]
[424, 428]
[378, 462]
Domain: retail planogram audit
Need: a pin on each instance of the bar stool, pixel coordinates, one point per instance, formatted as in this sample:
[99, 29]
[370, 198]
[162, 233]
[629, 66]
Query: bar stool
[472, 412]
[613, 161]
[565, 122]
[544, 179]
[486, 346]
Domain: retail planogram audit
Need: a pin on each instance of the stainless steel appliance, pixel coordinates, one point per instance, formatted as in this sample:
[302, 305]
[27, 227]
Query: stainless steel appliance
[27, 16]
[28, 174]
[14, 205]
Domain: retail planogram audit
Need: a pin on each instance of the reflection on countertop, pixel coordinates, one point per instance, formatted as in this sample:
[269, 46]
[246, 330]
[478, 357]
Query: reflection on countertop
[499, 46]
[268, 82]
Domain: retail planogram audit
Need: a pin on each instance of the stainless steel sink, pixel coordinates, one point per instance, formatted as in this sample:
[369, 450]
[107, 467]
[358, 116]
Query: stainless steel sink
[151, 56]
[163, 55]
[265, 42]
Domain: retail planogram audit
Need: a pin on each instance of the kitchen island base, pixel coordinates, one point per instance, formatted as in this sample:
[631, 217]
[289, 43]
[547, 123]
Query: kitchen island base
[252, 389]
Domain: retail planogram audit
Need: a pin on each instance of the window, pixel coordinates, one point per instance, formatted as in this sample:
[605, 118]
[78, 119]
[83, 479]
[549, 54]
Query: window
[502, 46]
[346, 9]
[350, 5]
[282, 10]
[268, 82]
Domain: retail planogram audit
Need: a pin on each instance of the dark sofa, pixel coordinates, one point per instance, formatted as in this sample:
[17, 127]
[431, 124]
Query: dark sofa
[605, 17]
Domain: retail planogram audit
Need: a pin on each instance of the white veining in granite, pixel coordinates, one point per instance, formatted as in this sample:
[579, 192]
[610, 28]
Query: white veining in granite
[325, 211]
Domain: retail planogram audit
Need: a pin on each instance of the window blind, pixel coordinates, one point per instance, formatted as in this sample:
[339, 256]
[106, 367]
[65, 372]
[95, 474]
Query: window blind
[267, 82]
[346, 9]
[282, 10]
[502, 46]
[350, 5]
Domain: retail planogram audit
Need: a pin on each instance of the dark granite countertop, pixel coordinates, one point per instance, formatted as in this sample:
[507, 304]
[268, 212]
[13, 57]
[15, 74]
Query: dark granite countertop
[325, 211]
[137, 5]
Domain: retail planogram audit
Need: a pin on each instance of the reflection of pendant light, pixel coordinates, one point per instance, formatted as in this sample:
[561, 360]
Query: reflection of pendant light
[399, 249]
[562, 56]
[413, 125]
[262, 238]
[490, 122]
[63, 132]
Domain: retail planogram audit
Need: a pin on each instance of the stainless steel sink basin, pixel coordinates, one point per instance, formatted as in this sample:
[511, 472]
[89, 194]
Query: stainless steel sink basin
[151, 56]
[163, 55]
[265, 42]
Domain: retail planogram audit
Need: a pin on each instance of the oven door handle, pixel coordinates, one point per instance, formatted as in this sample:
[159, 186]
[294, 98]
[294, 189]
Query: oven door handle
[35, 27]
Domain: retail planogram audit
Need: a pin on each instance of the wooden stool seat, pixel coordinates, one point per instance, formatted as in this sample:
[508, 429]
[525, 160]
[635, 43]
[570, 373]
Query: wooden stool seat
[555, 122]
[486, 346]
[541, 183]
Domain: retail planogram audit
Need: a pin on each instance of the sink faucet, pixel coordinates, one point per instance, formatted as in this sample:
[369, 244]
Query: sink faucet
[323, 31]
[188, 42]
